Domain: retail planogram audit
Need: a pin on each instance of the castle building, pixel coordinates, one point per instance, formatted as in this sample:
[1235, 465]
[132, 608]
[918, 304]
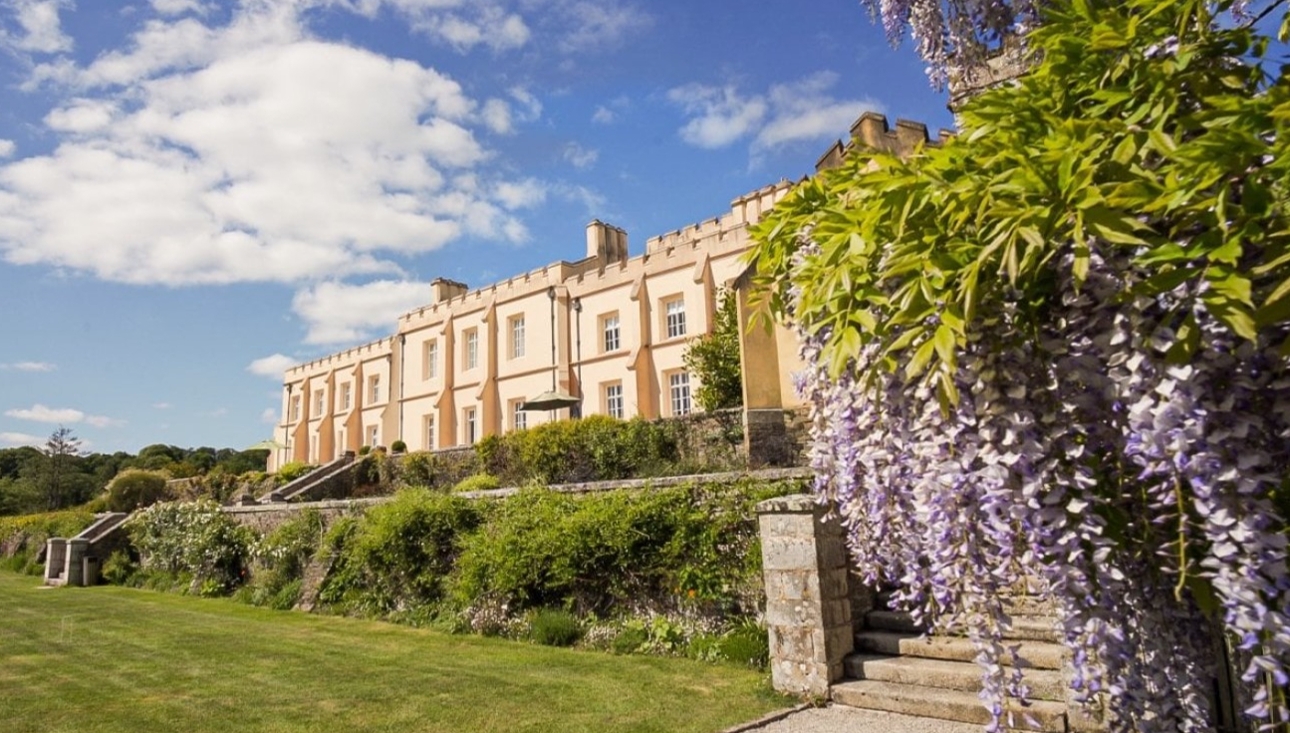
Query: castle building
[604, 334]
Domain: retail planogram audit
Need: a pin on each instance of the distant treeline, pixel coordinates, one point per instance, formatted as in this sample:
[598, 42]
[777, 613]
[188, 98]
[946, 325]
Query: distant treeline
[58, 474]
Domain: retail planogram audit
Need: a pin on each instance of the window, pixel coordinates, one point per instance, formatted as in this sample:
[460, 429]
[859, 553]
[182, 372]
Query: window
[295, 408]
[430, 359]
[609, 326]
[374, 389]
[614, 400]
[344, 397]
[519, 418]
[427, 431]
[517, 336]
[372, 435]
[469, 428]
[675, 310]
[340, 440]
[313, 448]
[471, 354]
[679, 386]
[318, 402]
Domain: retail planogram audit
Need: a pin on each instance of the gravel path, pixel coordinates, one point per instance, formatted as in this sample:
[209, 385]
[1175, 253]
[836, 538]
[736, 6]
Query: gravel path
[841, 719]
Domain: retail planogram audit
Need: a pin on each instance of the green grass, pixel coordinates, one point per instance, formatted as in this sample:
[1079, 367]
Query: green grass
[105, 659]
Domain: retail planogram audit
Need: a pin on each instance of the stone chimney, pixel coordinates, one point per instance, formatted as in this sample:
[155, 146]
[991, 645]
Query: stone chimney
[607, 242]
[444, 289]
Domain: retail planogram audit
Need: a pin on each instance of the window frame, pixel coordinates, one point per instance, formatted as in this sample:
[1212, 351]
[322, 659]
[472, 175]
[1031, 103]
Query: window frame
[605, 332]
[611, 399]
[674, 325]
[515, 334]
[470, 349]
[430, 360]
[680, 396]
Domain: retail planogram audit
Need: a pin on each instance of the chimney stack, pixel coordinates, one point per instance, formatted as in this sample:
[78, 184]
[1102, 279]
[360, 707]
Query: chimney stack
[443, 289]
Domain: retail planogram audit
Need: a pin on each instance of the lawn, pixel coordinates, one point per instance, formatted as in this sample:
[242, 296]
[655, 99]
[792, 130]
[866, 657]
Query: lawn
[104, 659]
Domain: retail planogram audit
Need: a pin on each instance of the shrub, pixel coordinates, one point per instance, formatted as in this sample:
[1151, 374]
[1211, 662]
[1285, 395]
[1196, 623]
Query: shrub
[365, 450]
[119, 568]
[399, 554]
[134, 489]
[478, 482]
[746, 645]
[22, 538]
[555, 627]
[280, 559]
[289, 472]
[420, 469]
[194, 539]
[630, 639]
[399, 446]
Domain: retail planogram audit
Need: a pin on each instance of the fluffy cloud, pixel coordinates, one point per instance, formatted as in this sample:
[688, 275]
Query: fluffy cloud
[344, 313]
[62, 416]
[719, 115]
[17, 439]
[270, 416]
[579, 156]
[41, 26]
[30, 366]
[272, 366]
[249, 153]
[7, 147]
[786, 113]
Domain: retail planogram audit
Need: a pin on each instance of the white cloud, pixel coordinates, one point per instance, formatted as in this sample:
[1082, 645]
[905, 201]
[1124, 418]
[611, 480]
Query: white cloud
[64, 415]
[804, 111]
[787, 113]
[17, 439]
[162, 405]
[7, 147]
[531, 105]
[99, 421]
[521, 194]
[341, 313]
[475, 25]
[270, 415]
[497, 115]
[592, 25]
[272, 366]
[579, 156]
[247, 153]
[720, 114]
[41, 26]
[177, 7]
[603, 115]
[40, 413]
[30, 366]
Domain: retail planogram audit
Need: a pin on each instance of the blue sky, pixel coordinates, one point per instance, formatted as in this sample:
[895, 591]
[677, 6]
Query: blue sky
[194, 194]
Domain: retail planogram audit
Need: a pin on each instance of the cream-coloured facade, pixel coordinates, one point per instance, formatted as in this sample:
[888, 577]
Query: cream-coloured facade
[609, 329]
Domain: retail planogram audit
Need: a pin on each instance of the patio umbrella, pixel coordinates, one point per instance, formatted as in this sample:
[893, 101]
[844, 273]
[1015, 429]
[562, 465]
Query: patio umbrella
[267, 445]
[550, 401]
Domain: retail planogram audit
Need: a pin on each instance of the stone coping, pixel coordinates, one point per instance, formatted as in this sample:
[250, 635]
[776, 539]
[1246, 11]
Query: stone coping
[791, 504]
[771, 474]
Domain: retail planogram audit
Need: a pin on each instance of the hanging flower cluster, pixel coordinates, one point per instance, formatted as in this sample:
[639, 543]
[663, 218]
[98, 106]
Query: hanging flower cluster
[1052, 355]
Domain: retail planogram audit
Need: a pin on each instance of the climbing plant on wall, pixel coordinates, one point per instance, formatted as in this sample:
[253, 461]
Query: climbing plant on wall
[1056, 349]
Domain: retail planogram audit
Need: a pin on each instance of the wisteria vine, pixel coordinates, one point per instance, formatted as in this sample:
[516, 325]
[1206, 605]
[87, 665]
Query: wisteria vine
[1052, 355]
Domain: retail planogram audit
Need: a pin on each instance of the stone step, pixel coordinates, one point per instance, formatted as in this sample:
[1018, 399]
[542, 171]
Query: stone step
[1044, 684]
[931, 702]
[1038, 655]
[1024, 628]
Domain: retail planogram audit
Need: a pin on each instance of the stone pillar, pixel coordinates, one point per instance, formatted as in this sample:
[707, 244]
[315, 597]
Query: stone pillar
[808, 605]
[73, 568]
[55, 560]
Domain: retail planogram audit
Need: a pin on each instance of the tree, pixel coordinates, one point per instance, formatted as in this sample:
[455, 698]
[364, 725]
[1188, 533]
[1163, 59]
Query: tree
[1055, 349]
[714, 359]
[953, 32]
[56, 473]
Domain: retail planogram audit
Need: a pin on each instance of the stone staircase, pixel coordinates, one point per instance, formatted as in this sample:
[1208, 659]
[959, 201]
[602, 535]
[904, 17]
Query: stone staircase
[898, 669]
[319, 479]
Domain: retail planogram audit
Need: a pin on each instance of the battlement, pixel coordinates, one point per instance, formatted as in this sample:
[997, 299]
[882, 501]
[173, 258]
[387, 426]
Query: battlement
[380, 347]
